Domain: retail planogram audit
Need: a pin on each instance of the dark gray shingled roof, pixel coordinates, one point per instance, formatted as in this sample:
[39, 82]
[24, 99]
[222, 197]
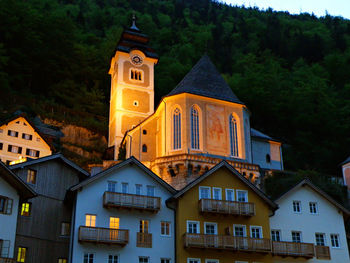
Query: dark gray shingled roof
[205, 80]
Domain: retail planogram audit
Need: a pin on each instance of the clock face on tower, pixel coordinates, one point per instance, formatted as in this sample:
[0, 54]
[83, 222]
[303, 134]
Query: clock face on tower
[136, 60]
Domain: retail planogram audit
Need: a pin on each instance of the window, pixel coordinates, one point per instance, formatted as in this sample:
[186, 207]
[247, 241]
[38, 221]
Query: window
[239, 230]
[125, 187]
[144, 226]
[5, 248]
[193, 260]
[242, 196]
[150, 190]
[217, 193]
[144, 132]
[1, 145]
[296, 237]
[165, 228]
[204, 192]
[21, 255]
[143, 259]
[90, 220]
[193, 227]
[335, 240]
[320, 239]
[12, 133]
[144, 148]
[27, 136]
[194, 128]
[112, 258]
[211, 261]
[297, 206]
[33, 153]
[165, 260]
[136, 104]
[177, 129]
[114, 222]
[230, 194]
[14, 149]
[112, 186]
[31, 176]
[268, 158]
[210, 228]
[26, 208]
[256, 232]
[65, 229]
[233, 137]
[89, 258]
[276, 235]
[6, 205]
[138, 189]
[313, 207]
[62, 260]
[136, 74]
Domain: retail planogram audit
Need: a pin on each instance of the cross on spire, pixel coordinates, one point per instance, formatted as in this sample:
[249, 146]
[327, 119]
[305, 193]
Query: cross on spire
[133, 26]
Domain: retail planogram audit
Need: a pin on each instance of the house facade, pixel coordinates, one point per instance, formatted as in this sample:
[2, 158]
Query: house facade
[310, 217]
[12, 192]
[121, 216]
[44, 222]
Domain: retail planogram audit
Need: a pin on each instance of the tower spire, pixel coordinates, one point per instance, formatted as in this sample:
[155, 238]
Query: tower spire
[133, 26]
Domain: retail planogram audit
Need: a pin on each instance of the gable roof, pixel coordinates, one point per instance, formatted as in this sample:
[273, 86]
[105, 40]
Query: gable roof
[204, 80]
[307, 182]
[22, 188]
[224, 164]
[347, 160]
[48, 158]
[131, 160]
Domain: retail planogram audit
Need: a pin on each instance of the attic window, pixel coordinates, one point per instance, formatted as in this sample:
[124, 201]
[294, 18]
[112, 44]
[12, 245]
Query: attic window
[17, 122]
[136, 75]
[25, 124]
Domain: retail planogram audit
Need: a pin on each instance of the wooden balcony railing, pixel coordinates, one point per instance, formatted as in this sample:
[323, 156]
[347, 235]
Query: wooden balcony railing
[103, 235]
[227, 242]
[143, 239]
[227, 207]
[131, 201]
[7, 260]
[293, 249]
[322, 252]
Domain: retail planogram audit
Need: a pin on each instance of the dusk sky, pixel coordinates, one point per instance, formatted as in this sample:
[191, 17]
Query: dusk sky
[318, 7]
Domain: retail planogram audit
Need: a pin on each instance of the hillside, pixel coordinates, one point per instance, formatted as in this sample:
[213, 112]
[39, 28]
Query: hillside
[291, 71]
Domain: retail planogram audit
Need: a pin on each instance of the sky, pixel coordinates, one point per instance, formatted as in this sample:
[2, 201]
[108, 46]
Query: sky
[318, 7]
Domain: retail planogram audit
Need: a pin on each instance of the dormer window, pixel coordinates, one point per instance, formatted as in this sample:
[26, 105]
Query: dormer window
[136, 74]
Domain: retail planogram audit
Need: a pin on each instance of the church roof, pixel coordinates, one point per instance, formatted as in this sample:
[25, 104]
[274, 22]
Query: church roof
[205, 80]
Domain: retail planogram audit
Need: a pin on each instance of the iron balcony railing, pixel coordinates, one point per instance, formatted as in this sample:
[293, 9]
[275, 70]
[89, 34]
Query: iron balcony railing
[227, 242]
[322, 252]
[103, 235]
[227, 207]
[131, 201]
[143, 240]
[293, 249]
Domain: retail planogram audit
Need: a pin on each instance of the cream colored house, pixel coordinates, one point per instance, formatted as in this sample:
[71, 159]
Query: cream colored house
[20, 139]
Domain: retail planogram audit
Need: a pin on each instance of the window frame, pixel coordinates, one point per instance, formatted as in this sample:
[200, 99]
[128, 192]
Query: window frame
[337, 240]
[29, 174]
[168, 224]
[279, 235]
[198, 230]
[176, 120]
[200, 192]
[62, 227]
[110, 183]
[144, 257]
[88, 254]
[91, 215]
[122, 188]
[220, 190]
[137, 70]
[300, 236]
[113, 257]
[251, 227]
[300, 208]
[195, 128]
[239, 225]
[165, 260]
[208, 260]
[213, 224]
[197, 260]
[233, 135]
[233, 194]
[323, 235]
[21, 256]
[311, 208]
[29, 212]
[246, 194]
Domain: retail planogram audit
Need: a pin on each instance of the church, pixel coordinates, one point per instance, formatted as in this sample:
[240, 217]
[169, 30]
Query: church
[197, 125]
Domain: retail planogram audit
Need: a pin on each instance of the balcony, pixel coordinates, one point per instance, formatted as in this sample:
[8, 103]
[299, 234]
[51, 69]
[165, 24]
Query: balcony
[102, 235]
[322, 252]
[293, 249]
[143, 240]
[226, 207]
[226, 242]
[7, 260]
[130, 201]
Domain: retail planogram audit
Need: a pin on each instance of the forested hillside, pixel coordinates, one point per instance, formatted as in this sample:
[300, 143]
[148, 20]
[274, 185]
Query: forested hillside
[293, 72]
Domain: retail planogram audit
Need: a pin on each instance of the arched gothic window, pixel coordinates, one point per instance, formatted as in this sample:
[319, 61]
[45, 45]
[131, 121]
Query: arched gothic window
[194, 128]
[233, 137]
[177, 129]
[144, 148]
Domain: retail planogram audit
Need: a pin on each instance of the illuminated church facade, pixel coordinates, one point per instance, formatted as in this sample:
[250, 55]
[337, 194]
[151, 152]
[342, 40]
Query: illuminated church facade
[197, 125]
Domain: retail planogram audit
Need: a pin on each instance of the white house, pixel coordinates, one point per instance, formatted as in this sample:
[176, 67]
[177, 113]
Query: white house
[12, 189]
[121, 216]
[346, 172]
[308, 215]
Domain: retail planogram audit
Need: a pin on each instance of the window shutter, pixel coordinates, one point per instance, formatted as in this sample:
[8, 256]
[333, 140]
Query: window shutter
[9, 203]
[37, 153]
[27, 151]
[19, 149]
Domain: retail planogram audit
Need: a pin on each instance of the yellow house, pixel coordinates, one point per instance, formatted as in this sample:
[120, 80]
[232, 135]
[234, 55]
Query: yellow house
[221, 217]
[20, 139]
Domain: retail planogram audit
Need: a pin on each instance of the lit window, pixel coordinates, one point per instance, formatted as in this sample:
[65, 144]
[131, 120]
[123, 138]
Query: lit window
[27, 136]
[177, 129]
[320, 239]
[144, 148]
[193, 227]
[21, 256]
[165, 260]
[335, 240]
[296, 237]
[165, 228]
[276, 235]
[150, 190]
[204, 192]
[114, 222]
[136, 74]
[242, 196]
[144, 226]
[90, 220]
[233, 137]
[111, 186]
[88, 258]
[32, 153]
[31, 176]
[193, 260]
[112, 258]
[256, 231]
[26, 207]
[143, 259]
[297, 206]
[239, 231]
[65, 229]
[194, 128]
[14, 149]
[62, 260]
[12, 133]
[313, 207]
[125, 187]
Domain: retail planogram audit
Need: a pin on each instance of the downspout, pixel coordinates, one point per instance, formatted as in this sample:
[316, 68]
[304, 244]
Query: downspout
[71, 243]
[170, 204]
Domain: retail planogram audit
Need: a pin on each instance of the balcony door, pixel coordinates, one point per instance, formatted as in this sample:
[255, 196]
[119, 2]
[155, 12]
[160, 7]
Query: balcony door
[114, 226]
[211, 229]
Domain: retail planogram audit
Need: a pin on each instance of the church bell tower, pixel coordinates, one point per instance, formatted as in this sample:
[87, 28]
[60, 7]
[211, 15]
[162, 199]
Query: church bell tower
[132, 84]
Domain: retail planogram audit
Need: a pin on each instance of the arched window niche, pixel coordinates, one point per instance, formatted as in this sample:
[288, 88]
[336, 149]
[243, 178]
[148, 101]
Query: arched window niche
[233, 136]
[195, 133]
[176, 129]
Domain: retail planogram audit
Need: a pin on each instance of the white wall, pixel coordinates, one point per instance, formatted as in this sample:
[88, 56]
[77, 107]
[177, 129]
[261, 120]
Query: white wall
[89, 201]
[8, 223]
[327, 221]
[261, 148]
